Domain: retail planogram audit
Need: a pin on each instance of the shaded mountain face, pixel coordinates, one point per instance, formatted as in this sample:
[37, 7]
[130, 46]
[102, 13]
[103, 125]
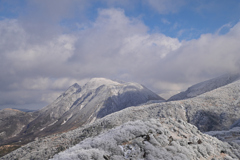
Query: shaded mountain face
[12, 121]
[205, 86]
[82, 105]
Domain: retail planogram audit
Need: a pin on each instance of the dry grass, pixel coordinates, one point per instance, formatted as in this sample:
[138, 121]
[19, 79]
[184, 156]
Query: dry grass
[5, 149]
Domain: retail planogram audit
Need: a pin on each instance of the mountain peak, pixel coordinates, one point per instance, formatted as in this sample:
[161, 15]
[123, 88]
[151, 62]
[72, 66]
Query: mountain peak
[75, 85]
[72, 89]
[97, 82]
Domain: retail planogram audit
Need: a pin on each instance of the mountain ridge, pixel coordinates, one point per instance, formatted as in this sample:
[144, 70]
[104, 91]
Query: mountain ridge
[81, 105]
[206, 86]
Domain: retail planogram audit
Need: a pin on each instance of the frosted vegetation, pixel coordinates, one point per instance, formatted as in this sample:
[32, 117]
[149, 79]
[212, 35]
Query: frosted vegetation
[152, 131]
[153, 139]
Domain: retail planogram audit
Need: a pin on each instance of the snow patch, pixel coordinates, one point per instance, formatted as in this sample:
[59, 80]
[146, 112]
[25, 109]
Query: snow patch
[42, 128]
[63, 122]
[53, 123]
[94, 83]
[67, 119]
[94, 118]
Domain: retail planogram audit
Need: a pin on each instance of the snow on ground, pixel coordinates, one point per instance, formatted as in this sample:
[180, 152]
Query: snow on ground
[94, 83]
[67, 119]
[152, 139]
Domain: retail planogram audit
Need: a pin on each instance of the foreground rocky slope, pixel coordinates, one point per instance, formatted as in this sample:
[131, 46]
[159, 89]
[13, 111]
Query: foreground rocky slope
[153, 139]
[49, 146]
[163, 138]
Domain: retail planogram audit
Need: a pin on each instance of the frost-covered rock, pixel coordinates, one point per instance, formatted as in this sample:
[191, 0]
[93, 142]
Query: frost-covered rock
[163, 138]
[152, 139]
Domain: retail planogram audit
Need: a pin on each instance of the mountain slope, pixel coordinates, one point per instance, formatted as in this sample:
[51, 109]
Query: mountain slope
[59, 142]
[81, 105]
[214, 110]
[205, 86]
[12, 121]
[139, 139]
[152, 139]
[232, 135]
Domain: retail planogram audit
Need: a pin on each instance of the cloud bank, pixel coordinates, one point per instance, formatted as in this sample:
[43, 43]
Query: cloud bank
[35, 69]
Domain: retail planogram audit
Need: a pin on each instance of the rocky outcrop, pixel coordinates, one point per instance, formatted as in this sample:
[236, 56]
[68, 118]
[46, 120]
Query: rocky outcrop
[152, 139]
[138, 139]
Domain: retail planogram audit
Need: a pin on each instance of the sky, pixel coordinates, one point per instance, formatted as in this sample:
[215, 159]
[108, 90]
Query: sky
[166, 45]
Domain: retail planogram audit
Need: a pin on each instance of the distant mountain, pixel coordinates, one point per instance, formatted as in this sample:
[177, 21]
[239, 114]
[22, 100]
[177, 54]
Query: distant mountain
[12, 122]
[82, 105]
[25, 110]
[205, 86]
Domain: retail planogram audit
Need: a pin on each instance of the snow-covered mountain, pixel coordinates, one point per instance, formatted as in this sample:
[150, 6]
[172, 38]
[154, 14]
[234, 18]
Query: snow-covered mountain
[205, 86]
[145, 131]
[132, 133]
[81, 105]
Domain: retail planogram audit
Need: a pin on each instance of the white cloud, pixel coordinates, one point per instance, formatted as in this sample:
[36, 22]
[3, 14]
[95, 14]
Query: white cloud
[209, 56]
[122, 43]
[113, 46]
